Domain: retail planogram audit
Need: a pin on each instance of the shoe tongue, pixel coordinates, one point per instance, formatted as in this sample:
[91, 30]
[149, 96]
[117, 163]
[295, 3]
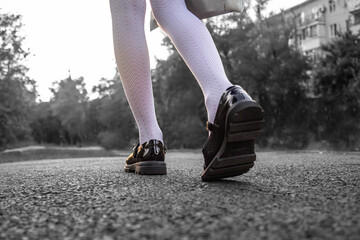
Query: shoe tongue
[236, 89]
[150, 143]
[154, 142]
[156, 149]
[136, 146]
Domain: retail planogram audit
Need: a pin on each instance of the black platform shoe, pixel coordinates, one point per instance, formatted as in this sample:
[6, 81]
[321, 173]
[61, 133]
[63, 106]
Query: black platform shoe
[147, 159]
[229, 149]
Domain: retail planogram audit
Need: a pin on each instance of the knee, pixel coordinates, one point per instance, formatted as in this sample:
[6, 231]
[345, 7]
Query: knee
[167, 13]
[128, 6]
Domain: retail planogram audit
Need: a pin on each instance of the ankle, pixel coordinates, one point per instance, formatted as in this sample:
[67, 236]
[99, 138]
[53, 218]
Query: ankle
[144, 139]
[212, 102]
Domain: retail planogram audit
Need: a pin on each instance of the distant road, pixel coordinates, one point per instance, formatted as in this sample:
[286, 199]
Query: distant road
[287, 195]
[29, 148]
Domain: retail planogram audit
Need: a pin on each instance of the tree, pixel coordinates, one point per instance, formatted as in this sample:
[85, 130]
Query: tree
[17, 90]
[69, 106]
[337, 82]
[179, 103]
[117, 124]
[45, 126]
[281, 85]
[256, 55]
[93, 125]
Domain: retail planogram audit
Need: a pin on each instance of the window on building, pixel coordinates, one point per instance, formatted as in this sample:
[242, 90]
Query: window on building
[357, 20]
[333, 30]
[302, 18]
[315, 13]
[332, 6]
[300, 39]
[313, 31]
[303, 33]
[356, 17]
[299, 21]
[316, 56]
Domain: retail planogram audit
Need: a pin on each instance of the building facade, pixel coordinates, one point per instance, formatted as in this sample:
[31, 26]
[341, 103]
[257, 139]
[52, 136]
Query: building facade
[317, 22]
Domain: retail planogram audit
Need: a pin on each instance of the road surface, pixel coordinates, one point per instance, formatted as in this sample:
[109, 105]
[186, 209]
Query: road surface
[287, 195]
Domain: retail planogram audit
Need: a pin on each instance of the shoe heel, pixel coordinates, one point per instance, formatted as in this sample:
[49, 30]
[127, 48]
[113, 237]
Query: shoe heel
[231, 161]
[215, 173]
[237, 155]
[151, 168]
[246, 124]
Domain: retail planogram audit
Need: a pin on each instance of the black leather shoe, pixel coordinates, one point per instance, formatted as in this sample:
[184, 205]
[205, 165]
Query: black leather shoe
[229, 149]
[147, 159]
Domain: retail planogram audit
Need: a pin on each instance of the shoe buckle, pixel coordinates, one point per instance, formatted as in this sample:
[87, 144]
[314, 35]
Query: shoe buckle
[135, 147]
[156, 149]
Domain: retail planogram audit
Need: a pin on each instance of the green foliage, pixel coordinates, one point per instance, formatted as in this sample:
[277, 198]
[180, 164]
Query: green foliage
[17, 90]
[338, 87]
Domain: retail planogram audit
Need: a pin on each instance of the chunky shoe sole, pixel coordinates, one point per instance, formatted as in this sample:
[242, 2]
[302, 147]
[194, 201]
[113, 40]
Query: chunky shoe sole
[243, 125]
[147, 168]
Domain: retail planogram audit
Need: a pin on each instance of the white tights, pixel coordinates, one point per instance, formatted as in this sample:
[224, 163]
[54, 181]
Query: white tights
[191, 39]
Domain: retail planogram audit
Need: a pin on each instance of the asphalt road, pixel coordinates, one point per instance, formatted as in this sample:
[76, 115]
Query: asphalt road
[287, 195]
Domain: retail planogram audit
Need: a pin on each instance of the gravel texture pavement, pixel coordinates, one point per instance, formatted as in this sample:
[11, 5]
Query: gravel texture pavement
[287, 195]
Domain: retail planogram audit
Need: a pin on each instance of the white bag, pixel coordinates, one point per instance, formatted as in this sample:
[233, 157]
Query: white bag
[208, 8]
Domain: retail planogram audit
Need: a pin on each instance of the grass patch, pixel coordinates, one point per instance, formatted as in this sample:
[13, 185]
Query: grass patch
[42, 154]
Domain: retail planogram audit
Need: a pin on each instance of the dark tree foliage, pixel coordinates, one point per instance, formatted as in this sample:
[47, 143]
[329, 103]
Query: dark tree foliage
[281, 76]
[337, 81]
[71, 118]
[179, 103]
[17, 90]
[117, 125]
[256, 55]
[46, 128]
[69, 105]
[93, 126]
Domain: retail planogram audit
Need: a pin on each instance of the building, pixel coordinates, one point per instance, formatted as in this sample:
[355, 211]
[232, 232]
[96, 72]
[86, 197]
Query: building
[319, 21]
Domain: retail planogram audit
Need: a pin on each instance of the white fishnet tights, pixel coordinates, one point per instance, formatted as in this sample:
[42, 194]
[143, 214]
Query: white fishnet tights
[190, 37]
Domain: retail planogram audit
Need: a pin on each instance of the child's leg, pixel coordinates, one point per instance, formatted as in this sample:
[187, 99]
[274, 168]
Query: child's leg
[133, 64]
[229, 149]
[194, 42]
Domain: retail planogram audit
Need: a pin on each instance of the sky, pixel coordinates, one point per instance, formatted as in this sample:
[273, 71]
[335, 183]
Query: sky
[75, 36]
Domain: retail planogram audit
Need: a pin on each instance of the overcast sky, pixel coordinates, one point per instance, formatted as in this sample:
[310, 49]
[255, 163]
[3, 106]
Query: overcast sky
[76, 35]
